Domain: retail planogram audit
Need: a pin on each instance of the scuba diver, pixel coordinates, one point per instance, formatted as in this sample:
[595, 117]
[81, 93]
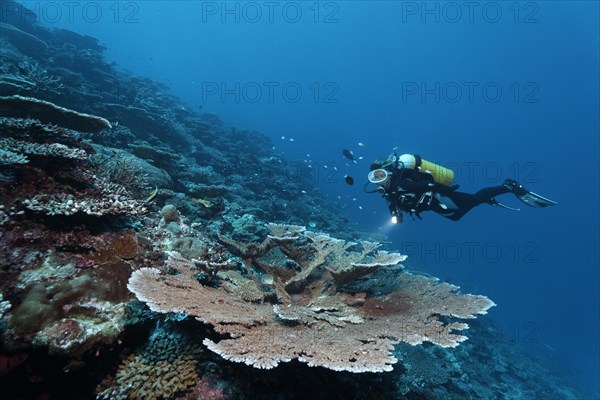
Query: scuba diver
[413, 185]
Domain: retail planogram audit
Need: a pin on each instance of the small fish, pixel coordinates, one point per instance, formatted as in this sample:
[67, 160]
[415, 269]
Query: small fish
[360, 207]
[267, 279]
[204, 202]
[292, 139]
[349, 180]
[283, 138]
[334, 168]
[152, 195]
[303, 191]
[349, 155]
[361, 144]
[325, 166]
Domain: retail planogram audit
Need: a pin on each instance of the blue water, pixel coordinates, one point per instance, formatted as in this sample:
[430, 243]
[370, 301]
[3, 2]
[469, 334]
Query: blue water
[496, 91]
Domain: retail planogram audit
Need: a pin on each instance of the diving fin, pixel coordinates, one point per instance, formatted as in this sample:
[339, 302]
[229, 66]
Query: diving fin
[535, 200]
[527, 197]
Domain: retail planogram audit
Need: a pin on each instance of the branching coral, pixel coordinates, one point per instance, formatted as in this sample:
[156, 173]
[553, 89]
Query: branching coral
[36, 131]
[104, 201]
[43, 149]
[164, 367]
[27, 137]
[28, 78]
[121, 168]
[313, 319]
[66, 182]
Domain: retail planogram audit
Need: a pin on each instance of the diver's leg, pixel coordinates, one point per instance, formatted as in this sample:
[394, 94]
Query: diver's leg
[464, 202]
[486, 195]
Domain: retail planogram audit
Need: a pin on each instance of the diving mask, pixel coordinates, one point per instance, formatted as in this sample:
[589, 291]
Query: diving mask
[378, 175]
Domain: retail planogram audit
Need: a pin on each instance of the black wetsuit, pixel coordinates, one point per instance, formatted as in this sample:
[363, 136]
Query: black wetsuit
[414, 192]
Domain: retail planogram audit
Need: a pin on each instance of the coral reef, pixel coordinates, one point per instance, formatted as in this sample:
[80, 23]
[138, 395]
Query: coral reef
[72, 185]
[80, 218]
[329, 328]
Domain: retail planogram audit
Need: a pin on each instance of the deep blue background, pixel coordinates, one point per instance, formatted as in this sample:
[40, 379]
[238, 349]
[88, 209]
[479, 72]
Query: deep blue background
[539, 266]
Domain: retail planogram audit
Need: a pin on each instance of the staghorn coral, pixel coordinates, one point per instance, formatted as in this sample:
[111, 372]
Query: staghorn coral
[29, 77]
[32, 72]
[316, 322]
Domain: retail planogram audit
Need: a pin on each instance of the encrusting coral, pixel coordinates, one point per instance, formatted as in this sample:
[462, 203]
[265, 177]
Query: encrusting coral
[309, 313]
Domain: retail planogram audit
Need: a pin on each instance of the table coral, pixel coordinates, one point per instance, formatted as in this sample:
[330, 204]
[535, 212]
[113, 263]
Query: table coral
[47, 112]
[315, 322]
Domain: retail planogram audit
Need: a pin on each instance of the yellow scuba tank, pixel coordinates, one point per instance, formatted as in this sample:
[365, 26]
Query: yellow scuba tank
[440, 174]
